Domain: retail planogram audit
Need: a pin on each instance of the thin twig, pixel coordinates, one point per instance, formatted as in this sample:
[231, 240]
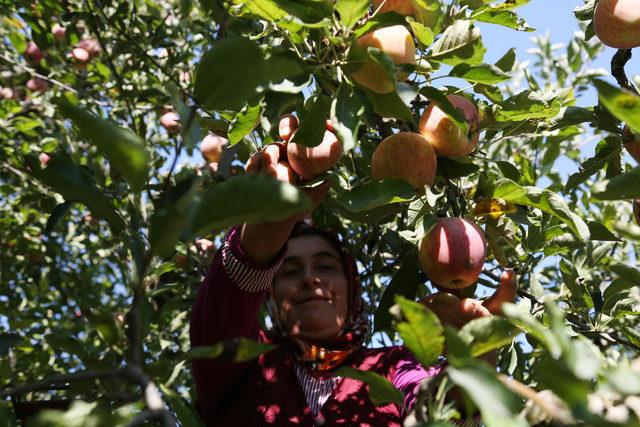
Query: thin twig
[61, 379]
[53, 81]
[112, 67]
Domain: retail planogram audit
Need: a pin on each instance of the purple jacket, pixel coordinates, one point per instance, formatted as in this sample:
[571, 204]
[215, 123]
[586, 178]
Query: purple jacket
[266, 391]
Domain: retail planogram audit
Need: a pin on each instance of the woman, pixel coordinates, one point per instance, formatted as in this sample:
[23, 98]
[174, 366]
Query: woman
[313, 294]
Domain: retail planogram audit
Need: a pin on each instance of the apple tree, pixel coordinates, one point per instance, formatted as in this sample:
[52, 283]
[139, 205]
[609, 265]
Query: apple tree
[111, 214]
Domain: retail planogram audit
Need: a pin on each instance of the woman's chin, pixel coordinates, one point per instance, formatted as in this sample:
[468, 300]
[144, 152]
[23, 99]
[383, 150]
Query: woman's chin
[316, 331]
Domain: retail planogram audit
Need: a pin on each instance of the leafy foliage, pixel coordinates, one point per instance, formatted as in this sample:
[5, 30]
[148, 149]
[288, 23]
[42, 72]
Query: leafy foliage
[101, 203]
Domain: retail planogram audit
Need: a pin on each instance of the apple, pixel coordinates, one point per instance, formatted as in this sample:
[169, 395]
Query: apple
[58, 31]
[453, 252]
[211, 147]
[407, 156]
[170, 121]
[402, 7]
[309, 162]
[33, 53]
[284, 172]
[617, 23]
[287, 125]
[91, 45]
[36, 84]
[631, 143]
[397, 43]
[6, 93]
[448, 139]
[44, 159]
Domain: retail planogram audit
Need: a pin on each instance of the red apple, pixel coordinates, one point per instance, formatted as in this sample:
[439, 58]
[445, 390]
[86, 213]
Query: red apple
[631, 143]
[36, 84]
[309, 162]
[44, 159]
[58, 31]
[211, 147]
[91, 45]
[170, 121]
[33, 53]
[453, 252]
[407, 156]
[287, 125]
[448, 139]
[6, 93]
[617, 23]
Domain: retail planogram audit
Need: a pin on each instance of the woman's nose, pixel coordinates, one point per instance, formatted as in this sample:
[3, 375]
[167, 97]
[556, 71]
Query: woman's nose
[310, 276]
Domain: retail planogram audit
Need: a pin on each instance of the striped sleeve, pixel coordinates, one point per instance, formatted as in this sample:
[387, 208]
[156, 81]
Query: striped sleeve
[244, 273]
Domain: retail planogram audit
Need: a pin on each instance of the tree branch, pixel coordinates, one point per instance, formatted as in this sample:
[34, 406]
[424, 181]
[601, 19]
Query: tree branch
[47, 383]
[619, 60]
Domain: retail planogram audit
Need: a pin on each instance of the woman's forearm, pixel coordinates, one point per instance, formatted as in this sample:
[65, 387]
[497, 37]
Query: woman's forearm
[262, 242]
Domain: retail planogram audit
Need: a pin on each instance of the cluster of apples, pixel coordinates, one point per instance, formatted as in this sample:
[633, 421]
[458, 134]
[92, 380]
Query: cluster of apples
[80, 55]
[452, 254]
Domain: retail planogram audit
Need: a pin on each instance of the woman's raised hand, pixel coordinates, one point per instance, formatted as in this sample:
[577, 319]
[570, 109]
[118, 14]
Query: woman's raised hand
[457, 312]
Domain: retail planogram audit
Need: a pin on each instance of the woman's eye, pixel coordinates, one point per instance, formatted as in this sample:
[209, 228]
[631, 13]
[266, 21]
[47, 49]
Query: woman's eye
[327, 267]
[290, 272]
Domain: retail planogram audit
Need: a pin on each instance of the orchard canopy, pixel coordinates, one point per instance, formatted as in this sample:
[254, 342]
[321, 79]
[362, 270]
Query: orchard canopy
[110, 214]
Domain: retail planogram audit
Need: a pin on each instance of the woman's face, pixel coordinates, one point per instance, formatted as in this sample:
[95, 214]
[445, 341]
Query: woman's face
[310, 290]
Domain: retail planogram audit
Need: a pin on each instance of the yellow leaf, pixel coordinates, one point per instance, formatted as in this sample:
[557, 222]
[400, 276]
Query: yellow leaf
[493, 207]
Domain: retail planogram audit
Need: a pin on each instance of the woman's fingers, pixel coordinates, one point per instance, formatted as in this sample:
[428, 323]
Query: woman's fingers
[472, 309]
[506, 292]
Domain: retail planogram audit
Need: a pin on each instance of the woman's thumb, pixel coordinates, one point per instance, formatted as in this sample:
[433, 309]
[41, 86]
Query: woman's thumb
[506, 292]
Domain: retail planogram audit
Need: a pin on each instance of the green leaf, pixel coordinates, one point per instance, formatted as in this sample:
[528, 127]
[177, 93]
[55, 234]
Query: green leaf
[450, 168]
[172, 216]
[381, 20]
[247, 198]
[375, 194]
[423, 33]
[185, 412]
[422, 331]
[483, 73]
[507, 61]
[621, 187]
[243, 123]
[545, 200]
[232, 71]
[404, 282]
[56, 216]
[626, 272]
[527, 105]
[585, 12]
[381, 391]
[312, 13]
[75, 183]
[605, 150]
[232, 350]
[351, 11]
[125, 150]
[347, 113]
[505, 18]
[393, 104]
[487, 333]
[525, 321]
[460, 43]
[622, 103]
[313, 124]
[509, 170]
[601, 233]
[7, 341]
[498, 405]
